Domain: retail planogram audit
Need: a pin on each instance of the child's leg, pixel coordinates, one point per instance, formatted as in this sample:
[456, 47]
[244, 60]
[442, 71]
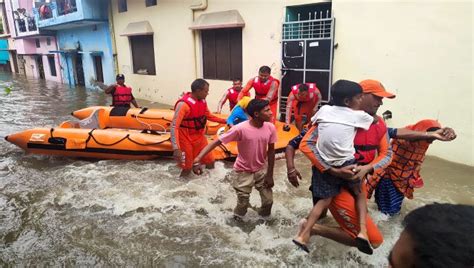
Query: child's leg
[361, 206]
[305, 234]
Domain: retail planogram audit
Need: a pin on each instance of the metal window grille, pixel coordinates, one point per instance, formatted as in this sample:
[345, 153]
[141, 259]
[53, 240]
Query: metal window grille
[308, 29]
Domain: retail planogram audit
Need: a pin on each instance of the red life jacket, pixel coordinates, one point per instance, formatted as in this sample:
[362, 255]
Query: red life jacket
[196, 120]
[366, 142]
[232, 95]
[312, 92]
[261, 89]
[122, 96]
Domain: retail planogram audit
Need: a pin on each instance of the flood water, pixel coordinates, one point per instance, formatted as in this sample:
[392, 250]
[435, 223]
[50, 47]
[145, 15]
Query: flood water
[60, 211]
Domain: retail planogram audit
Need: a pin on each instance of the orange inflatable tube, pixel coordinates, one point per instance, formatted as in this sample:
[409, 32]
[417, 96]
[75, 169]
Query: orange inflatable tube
[139, 118]
[102, 144]
[95, 137]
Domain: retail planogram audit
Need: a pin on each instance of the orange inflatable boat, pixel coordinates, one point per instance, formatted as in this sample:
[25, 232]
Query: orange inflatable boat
[89, 138]
[138, 118]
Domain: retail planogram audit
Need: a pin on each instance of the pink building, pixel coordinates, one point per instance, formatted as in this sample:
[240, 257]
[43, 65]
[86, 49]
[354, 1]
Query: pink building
[31, 47]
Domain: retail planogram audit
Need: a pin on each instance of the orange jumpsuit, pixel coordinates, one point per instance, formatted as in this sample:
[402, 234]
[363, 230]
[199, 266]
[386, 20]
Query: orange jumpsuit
[191, 140]
[302, 107]
[343, 207]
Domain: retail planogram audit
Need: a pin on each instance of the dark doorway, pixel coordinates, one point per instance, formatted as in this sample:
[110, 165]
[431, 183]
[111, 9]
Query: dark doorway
[52, 65]
[307, 49]
[15, 61]
[39, 63]
[99, 74]
[79, 69]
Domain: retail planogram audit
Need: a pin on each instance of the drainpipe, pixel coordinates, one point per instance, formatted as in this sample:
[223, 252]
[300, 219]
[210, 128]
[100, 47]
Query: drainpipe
[68, 72]
[196, 5]
[112, 35]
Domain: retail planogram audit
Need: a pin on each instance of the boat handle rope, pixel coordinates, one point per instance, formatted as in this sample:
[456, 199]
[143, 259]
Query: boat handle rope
[149, 125]
[91, 136]
[153, 118]
[226, 151]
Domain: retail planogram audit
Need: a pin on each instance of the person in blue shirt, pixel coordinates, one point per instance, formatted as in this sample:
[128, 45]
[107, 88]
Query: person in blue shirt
[238, 114]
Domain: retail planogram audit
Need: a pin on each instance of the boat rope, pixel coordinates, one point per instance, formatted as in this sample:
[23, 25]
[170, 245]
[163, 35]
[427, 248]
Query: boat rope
[150, 125]
[127, 137]
[226, 151]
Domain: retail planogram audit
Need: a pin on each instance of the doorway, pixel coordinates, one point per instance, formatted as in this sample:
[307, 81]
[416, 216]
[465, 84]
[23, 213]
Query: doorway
[39, 63]
[79, 70]
[307, 49]
[99, 73]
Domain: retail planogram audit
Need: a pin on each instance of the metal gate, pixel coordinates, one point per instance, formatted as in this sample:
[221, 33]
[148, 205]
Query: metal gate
[307, 54]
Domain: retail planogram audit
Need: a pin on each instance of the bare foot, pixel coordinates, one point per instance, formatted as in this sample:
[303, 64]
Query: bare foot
[301, 238]
[363, 243]
[301, 226]
[363, 235]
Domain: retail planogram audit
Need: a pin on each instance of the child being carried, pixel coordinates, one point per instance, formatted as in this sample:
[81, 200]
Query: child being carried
[337, 126]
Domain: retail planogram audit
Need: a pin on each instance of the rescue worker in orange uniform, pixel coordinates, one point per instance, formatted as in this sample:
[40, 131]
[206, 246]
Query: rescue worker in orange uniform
[266, 87]
[189, 125]
[231, 94]
[303, 101]
[121, 94]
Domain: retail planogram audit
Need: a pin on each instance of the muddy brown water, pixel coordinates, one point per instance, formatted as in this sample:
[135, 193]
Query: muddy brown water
[61, 211]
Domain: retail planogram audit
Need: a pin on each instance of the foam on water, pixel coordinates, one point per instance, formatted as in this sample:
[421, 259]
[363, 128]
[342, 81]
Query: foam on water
[60, 211]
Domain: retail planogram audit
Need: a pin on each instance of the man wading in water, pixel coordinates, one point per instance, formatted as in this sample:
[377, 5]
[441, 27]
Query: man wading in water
[189, 125]
[256, 144]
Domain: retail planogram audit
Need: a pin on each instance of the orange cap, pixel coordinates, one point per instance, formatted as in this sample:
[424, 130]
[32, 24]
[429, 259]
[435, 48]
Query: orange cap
[376, 88]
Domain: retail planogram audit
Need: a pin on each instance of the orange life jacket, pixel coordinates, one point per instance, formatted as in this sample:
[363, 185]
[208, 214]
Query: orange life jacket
[408, 156]
[261, 89]
[312, 92]
[196, 120]
[122, 96]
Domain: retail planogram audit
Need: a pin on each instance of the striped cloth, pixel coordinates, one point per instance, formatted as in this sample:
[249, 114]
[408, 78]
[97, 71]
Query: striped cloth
[388, 198]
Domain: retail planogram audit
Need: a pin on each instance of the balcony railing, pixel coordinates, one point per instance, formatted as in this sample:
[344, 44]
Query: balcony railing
[66, 6]
[26, 24]
[55, 8]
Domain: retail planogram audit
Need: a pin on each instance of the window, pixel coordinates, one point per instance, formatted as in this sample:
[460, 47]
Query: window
[222, 53]
[52, 65]
[37, 41]
[48, 41]
[122, 6]
[66, 6]
[149, 3]
[143, 54]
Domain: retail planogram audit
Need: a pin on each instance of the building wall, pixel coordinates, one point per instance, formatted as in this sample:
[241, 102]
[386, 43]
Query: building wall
[422, 51]
[432, 33]
[174, 55]
[44, 50]
[90, 38]
[25, 46]
[177, 48]
[9, 18]
[31, 68]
